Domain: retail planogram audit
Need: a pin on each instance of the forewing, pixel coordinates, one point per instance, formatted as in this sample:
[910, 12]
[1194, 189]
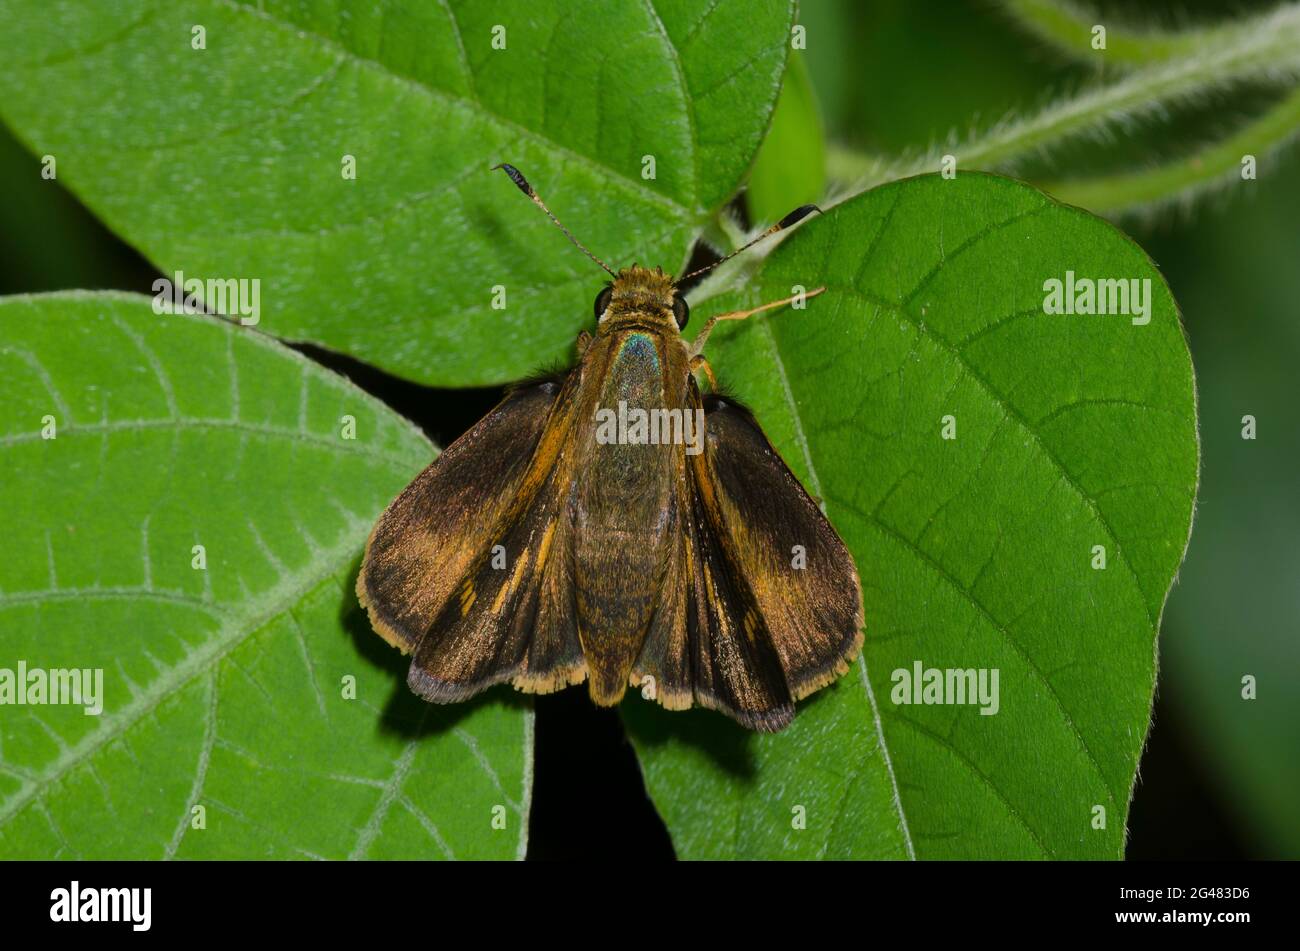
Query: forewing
[708, 641]
[737, 670]
[426, 541]
[777, 539]
[512, 617]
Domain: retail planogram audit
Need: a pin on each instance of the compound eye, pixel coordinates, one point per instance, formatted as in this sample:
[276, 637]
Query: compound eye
[602, 300]
[681, 311]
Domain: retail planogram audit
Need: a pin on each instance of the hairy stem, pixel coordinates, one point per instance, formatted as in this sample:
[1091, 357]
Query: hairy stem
[1269, 50]
[1068, 27]
[1272, 55]
[844, 164]
[1219, 163]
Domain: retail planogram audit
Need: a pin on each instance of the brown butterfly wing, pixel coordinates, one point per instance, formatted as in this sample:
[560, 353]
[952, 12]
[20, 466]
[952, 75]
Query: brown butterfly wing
[771, 527]
[738, 628]
[512, 617]
[667, 657]
[433, 534]
[737, 670]
[709, 642]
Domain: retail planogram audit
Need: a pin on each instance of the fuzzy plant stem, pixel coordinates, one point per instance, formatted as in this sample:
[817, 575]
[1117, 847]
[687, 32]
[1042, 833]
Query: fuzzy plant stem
[1186, 178]
[1272, 54]
[1068, 27]
[1266, 47]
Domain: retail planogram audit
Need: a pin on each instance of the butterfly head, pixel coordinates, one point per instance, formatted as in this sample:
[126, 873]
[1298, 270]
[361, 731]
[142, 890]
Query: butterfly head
[641, 295]
[638, 294]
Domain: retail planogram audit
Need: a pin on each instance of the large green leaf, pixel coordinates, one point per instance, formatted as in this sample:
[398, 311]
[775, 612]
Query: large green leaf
[975, 552]
[227, 161]
[223, 687]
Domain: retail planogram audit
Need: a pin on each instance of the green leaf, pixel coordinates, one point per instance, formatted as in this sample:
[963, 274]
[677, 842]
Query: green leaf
[223, 686]
[227, 161]
[974, 552]
[791, 166]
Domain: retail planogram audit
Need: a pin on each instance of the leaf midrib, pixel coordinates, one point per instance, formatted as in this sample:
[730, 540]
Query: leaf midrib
[255, 613]
[802, 439]
[675, 58]
[1013, 414]
[173, 424]
[236, 627]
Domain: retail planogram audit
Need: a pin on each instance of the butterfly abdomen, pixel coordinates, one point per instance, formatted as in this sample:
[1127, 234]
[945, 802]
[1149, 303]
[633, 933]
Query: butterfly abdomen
[622, 496]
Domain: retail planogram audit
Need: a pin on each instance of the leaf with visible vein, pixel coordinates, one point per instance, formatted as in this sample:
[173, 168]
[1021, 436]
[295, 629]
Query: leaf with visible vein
[223, 687]
[227, 162]
[975, 552]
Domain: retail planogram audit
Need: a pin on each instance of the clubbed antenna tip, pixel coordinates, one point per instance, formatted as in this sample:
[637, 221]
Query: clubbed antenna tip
[517, 177]
[796, 216]
[521, 183]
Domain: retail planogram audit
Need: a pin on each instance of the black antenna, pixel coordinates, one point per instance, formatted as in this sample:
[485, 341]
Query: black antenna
[796, 216]
[517, 177]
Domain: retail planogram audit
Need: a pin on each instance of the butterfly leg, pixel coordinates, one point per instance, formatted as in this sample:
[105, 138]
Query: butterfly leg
[742, 314]
[698, 363]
